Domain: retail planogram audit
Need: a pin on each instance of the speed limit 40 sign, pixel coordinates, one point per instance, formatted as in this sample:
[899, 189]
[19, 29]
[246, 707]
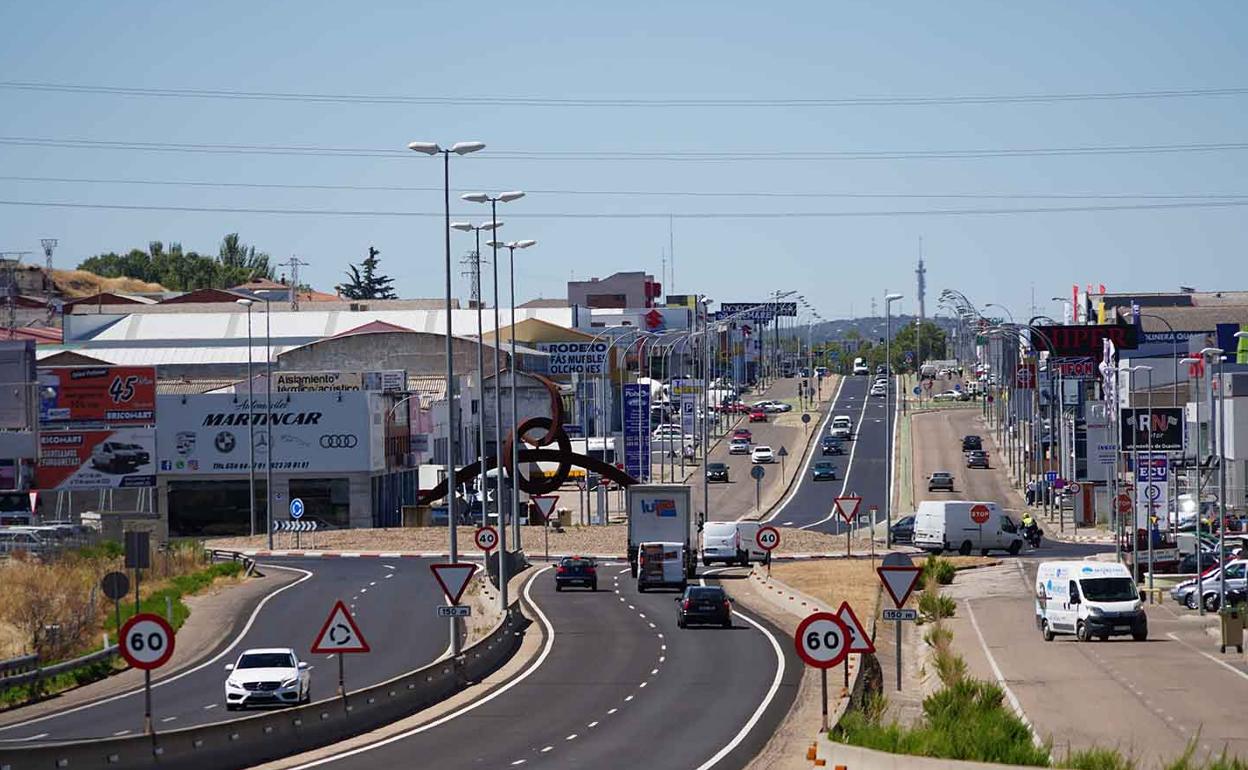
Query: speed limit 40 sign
[146, 641]
[486, 538]
[767, 537]
[822, 640]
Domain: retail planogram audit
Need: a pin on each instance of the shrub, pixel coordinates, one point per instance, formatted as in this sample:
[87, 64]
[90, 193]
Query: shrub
[1098, 759]
[938, 570]
[933, 606]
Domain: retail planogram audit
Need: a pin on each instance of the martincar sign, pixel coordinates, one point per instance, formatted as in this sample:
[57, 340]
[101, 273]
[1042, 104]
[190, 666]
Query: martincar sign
[575, 357]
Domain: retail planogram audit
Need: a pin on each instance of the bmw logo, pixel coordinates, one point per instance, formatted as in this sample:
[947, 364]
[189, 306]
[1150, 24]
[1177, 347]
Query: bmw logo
[224, 442]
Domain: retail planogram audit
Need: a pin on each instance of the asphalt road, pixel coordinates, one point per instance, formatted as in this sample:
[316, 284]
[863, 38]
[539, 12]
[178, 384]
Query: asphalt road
[616, 685]
[862, 470]
[400, 641]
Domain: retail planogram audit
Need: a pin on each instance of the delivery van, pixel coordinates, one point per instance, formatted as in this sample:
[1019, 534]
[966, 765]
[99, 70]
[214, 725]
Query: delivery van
[950, 525]
[661, 565]
[732, 542]
[1088, 599]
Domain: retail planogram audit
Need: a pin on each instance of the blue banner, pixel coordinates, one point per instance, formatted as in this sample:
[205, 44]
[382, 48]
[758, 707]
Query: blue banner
[637, 430]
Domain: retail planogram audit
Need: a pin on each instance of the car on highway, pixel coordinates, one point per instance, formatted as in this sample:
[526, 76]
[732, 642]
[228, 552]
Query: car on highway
[717, 472]
[705, 605]
[762, 454]
[831, 445]
[977, 459]
[1088, 599]
[902, 530]
[576, 571]
[267, 676]
[879, 390]
[739, 446]
[940, 481]
[771, 406]
[947, 395]
[842, 427]
[972, 443]
[1186, 593]
[823, 470]
[758, 415]
[744, 433]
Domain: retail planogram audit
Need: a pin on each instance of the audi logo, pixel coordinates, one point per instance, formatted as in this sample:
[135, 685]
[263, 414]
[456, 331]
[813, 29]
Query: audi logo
[339, 441]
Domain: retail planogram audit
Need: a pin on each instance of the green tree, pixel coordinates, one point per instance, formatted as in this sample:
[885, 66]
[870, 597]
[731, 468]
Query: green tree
[175, 268]
[364, 282]
[240, 263]
[931, 344]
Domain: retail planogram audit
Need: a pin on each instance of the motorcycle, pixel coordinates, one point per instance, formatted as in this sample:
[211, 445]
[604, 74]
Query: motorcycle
[1032, 535]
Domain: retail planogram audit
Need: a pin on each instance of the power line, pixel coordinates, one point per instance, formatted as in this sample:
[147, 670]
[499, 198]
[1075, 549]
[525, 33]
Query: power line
[636, 193]
[547, 101]
[644, 215]
[630, 156]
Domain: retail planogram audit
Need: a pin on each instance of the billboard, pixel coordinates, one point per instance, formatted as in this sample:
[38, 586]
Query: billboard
[313, 432]
[1080, 340]
[117, 395]
[637, 430]
[1165, 428]
[1074, 367]
[575, 357]
[96, 459]
[787, 309]
[316, 382]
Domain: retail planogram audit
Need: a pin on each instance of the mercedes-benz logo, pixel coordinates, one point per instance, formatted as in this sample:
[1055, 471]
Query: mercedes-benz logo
[224, 442]
[339, 441]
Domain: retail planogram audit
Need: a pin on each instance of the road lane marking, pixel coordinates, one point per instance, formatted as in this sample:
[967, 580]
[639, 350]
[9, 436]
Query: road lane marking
[519, 762]
[612, 711]
[627, 698]
[654, 671]
[210, 706]
[370, 585]
[592, 724]
[849, 466]
[810, 456]
[549, 631]
[120, 733]
[307, 575]
[389, 576]
[571, 737]
[643, 684]
[996, 671]
[388, 566]
[1221, 663]
[27, 738]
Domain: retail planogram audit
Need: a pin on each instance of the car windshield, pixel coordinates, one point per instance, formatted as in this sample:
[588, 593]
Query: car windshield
[1108, 589]
[707, 594]
[762, 449]
[717, 467]
[266, 660]
[578, 563]
[823, 466]
[940, 475]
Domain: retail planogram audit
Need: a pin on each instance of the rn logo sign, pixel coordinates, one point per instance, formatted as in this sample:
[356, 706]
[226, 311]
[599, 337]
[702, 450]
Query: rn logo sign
[1164, 426]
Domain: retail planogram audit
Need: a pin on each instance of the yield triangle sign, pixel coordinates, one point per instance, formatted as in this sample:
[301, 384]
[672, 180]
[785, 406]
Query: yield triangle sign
[545, 504]
[340, 633]
[858, 639]
[899, 582]
[847, 506]
[453, 578]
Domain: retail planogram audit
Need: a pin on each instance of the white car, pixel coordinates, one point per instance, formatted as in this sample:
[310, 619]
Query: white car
[762, 454]
[842, 426]
[739, 446]
[772, 406]
[948, 395]
[878, 390]
[267, 676]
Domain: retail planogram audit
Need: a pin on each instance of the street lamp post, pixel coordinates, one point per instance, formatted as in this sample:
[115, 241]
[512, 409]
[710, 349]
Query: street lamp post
[268, 420]
[251, 425]
[459, 148]
[889, 299]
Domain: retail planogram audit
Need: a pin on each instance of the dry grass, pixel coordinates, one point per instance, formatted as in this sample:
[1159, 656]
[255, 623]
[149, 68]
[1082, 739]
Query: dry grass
[80, 283]
[833, 581]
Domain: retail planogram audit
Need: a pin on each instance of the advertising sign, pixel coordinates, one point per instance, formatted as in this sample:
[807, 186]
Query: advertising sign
[96, 459]
[316, 382]
[117, 395]
[1074, 367]
[637, 430]
[787, 309]
[207, 433]
[1080, 340]
[386, 380]
[1151, 501]
[686, 393]
[1166, 427]
[1153, 468]
[575, 357]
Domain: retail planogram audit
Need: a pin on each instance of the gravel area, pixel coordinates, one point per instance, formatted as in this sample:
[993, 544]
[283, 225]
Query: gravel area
[606, 540]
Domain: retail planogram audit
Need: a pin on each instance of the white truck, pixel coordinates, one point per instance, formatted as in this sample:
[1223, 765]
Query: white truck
[732, 542]
[951, 525]
[1088, 599]
[661, 513]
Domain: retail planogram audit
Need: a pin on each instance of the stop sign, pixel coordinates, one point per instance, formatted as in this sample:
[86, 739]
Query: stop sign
[979, 513]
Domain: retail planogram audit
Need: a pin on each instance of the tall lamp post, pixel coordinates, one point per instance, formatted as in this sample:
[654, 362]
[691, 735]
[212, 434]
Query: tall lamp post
[268, 420]
[251, 425]
[515, 415]
[889, 299]
[452, 518]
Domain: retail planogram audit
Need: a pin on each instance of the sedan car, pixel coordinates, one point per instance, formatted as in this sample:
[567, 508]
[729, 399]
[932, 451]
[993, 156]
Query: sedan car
[823, 470]
[743, 433]
[739, 446]
[948, 395]
[977, 459]
[704, 604]
[879, 391]
[830, 445]
[717, 472]
[762, 454]
[940, 480]
[758, 415]
[902, 530]
[267, 676]
[576, 571]
[970, 443]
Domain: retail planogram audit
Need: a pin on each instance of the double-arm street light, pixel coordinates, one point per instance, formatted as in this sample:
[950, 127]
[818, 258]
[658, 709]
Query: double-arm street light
[889, 299]
[459, 148]
[251, 425]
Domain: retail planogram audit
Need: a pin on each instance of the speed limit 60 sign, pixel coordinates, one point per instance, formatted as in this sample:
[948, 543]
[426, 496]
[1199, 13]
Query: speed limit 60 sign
[146, 641]
[822, 640]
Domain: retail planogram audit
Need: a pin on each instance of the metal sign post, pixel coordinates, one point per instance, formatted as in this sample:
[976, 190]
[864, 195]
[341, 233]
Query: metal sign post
[847, 507]
[767, 538]
[822, 641]
[115, 586]
[146, 642]
[757, 473]
[899, 576]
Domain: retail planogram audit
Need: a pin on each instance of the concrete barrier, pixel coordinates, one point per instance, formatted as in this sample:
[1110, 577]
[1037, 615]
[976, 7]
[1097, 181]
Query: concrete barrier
[253, 740]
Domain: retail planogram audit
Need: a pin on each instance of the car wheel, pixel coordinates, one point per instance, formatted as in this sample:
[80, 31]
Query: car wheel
[1189, 601]
[641, 589]
[965, 549]
[706, 562]
[1015, 547]
[1081, 632]
[593, 586]
[728, 623]
[1045, 631]
[558, 587]
[1140, 635]
[1212, 602]
[680, 622]
[983, 552]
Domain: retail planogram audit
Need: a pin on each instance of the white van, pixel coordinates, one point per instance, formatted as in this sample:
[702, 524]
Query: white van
[732, 542]
[860, 366]
[661, 565]
[948, 525]
[1088, 599]
[842, 427]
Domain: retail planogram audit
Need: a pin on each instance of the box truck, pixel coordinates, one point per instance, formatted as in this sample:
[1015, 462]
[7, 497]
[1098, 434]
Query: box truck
[951, 525]
[661, 513]
[1088, 599]
[732, 542]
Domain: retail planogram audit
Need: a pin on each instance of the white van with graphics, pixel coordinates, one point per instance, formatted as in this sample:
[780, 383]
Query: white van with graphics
[1088, 599]
[950, 525]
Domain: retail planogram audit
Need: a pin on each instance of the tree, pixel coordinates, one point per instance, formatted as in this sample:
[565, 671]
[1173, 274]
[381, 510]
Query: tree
[931, 339]
[364, 282]
[241, 263]
[174, 268]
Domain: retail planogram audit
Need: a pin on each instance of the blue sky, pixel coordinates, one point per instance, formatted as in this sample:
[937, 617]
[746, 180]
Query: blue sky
[646, 50]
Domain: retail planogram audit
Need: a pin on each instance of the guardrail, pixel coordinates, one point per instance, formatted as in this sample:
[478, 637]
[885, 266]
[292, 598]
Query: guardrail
[218, 554]
[16, 666]
[33, 672]
[254, 740]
